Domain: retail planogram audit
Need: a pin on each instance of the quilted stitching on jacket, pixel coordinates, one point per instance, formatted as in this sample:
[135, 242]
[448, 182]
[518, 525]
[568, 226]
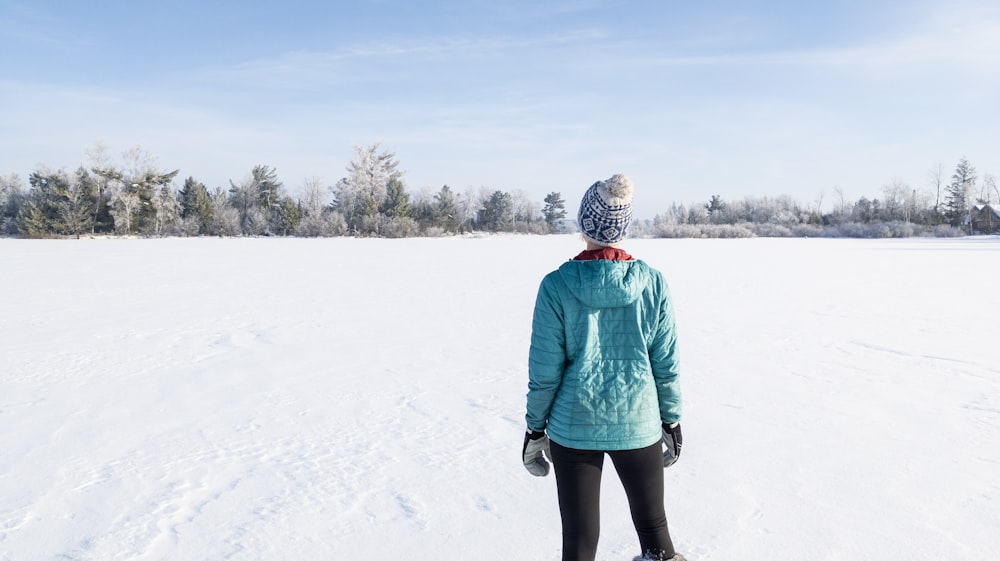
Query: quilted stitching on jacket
[602, 367]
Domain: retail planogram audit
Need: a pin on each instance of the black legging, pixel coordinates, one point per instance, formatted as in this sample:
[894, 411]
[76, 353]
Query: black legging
[578, 478]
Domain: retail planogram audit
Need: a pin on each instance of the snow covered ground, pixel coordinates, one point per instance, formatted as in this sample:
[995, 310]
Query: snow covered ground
[346, 399]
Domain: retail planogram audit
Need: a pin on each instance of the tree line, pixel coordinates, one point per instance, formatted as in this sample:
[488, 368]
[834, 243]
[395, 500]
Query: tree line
[947, 208]
[136, 197]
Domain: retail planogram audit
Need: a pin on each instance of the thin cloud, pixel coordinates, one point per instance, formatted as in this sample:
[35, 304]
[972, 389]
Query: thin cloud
[297, 69]
[29, 26]
[973, 42]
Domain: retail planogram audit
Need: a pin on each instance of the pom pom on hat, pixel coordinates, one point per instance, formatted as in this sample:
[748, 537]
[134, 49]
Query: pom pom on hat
[606, 210]
[619, 190]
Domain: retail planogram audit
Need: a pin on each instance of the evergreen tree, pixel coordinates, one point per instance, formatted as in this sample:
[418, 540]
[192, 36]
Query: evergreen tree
[288, 216]
[132, 192]
[57, 204]
[554, 210]
[75, 206]
[85, 198]
[497, 213]
[268, 188]
[196, 204]
[422, 210]
[445, 210]
[243, 198]
[397, 201]
[716, 208]
[40, 217]
[111, 185]
[957, 200]
[256, 200]
[11, 200]
[32, 222]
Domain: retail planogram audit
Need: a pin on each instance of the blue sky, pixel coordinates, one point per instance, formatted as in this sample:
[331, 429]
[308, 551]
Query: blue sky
[690, 99]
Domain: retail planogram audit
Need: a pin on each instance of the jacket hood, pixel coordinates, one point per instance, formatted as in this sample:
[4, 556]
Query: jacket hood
[604, 283]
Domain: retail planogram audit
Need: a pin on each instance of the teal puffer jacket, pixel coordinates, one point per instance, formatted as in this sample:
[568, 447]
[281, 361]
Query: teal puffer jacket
[602, 368]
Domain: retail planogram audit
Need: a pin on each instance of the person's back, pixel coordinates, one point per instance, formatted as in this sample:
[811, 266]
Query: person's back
[602, 380]
[606, 399]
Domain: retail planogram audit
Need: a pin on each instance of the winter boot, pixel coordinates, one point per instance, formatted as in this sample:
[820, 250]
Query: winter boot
[658, 556]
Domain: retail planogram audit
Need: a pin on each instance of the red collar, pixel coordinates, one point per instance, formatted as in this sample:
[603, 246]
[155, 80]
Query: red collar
[608, 253]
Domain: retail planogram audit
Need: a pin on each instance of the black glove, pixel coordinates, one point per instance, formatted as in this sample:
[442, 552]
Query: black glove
[673, 439]
[534, 453]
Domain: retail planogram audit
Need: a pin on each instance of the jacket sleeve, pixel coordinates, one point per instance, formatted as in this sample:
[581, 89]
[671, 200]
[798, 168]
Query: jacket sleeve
[664, 359]
[547, 355]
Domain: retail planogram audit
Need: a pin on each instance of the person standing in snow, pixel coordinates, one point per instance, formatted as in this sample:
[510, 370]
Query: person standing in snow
[603, 380]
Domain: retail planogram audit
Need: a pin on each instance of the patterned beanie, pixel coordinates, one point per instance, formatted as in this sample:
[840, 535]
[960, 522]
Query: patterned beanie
[606, 210]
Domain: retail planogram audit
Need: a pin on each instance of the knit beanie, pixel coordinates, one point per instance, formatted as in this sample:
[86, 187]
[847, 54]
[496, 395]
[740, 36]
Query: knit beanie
[606, 210]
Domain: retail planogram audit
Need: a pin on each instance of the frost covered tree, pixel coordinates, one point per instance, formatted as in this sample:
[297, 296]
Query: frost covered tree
[864, 211]
[124, 208]
[75, 205]
[225, 218]
[362, 193]
[98, 159]
[935, 177]
[256, 199]
[131, 190]
[11, 199]
[527, 213]
[445, 207]
[894, 197]
[697, 215]
[314, 220]
[243, 197]
[39, 215]
[841, 211]
[677, 214]
[716, 209]
[989, 189]
[166, 211]
[469, 205]
[269, 189]
[57, 204]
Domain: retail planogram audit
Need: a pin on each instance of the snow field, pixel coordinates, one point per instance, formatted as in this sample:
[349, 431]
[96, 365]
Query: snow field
[363, 399]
